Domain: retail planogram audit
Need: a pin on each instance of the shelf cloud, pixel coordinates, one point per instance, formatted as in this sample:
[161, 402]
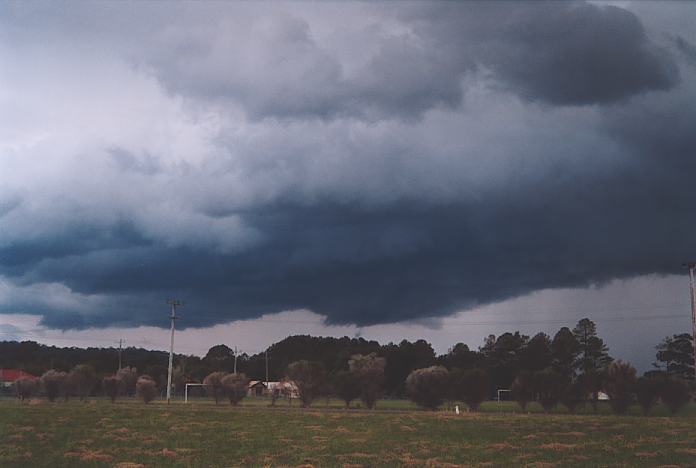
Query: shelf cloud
[372, 163]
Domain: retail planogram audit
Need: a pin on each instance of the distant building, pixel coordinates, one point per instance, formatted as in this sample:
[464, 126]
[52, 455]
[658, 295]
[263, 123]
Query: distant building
[257, 388]
[8, 376]
[282, 389]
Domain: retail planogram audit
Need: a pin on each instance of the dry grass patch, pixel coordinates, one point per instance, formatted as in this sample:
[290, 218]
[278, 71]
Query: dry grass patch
[440, 464]
[169, 453]
[503, 446]
[357, 455]
[557, 446]
[87, 455]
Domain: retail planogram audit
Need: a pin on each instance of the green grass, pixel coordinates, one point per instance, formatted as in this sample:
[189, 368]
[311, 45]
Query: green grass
[98, 433]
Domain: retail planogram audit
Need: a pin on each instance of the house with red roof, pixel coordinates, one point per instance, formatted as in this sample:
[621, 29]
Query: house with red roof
[8, 376]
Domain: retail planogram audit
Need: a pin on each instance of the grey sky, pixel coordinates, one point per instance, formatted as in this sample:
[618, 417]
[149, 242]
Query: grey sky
[374, 163]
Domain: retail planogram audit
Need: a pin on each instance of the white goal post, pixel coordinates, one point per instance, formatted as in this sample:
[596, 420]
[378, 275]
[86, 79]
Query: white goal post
[187, 387]
[502, 390]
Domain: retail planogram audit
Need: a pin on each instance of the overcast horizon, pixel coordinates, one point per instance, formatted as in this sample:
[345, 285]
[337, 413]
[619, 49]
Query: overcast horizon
[395, 171]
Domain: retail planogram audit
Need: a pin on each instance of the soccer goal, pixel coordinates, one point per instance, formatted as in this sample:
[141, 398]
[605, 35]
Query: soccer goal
[187, 389]
[504, 395]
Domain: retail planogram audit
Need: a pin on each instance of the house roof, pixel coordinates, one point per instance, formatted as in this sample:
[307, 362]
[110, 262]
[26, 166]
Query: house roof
[254, 383]
[10, 375]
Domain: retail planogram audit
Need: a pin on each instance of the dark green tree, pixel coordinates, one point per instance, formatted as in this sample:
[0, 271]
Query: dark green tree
[675, 356]
[648, 392]
[346, 386]
[620, 385]
[572, 395]
[593, 382]
[220, 358]
[472, 386]
[503, 360]
[675, 393]
[537, 354]
[523, 389]
[549, 385]
[403, 358]
[112, 387]
[461, 357]
[565, 350]
[594, 354]
[369, 369]
[428, 387]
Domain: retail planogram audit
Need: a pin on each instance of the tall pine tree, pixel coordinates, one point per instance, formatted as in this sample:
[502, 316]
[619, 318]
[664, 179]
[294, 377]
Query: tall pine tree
[594, 354]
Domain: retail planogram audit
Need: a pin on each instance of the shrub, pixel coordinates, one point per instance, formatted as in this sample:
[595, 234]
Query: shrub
[675, 393]
[112, 387]
[369, 369]
[523, 389]
[620, 385]
[308, 376]
[235, 387]
[572, 395]
[549, 385]
[128, 377]
[648, 392]
[54, 384]
[146, 388]
[82, 379]
[25, 387]
[472, 386]
[428, 387]
[213, 385]
[347, 386]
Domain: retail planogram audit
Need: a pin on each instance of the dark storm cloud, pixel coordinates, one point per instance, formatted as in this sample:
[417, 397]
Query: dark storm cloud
[686, 48]
[562, 53]
[432, 181]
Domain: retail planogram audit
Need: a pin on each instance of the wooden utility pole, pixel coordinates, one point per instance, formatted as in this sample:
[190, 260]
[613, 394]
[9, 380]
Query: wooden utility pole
[120, 348]
[174, 303]
[692, 266]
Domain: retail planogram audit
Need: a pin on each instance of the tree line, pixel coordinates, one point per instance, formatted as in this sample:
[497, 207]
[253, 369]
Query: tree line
[569, 366]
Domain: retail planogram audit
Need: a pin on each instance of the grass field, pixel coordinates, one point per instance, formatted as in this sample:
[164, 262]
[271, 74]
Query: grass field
[129, 434]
